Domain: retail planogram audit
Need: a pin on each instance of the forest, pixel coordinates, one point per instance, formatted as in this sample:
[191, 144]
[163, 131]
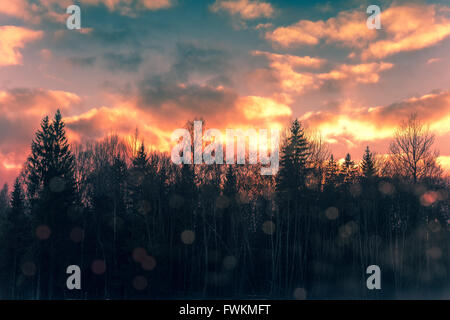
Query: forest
[141, 227]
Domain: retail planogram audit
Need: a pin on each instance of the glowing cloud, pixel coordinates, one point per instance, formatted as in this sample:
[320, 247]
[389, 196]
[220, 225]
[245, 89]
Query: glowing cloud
[246, 9]
[348, 28]
[12, 39]
[406, 28]
[410, 28]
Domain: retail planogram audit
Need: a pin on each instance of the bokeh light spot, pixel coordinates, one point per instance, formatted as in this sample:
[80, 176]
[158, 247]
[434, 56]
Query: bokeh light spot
[332, 213]
[229, 262]
[268, 227]
[148, 263]
[300, 294]
[29, 269]
[77, 235]
[188, 237]
[43, 232]
[98, 267]
[140, 283]
[139, 254]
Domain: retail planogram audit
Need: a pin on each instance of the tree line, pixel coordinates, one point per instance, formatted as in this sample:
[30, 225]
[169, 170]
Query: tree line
[140, 226]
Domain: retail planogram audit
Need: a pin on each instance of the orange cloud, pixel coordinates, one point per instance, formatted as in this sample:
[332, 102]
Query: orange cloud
[246, 9]
[294, 61]
[12, 39]
[359, 123]
[409, 28]
[17, 103]
[292, 80]
[17, 8]
[348, 28]
[156, 125]
[405, 28]
[363, 73]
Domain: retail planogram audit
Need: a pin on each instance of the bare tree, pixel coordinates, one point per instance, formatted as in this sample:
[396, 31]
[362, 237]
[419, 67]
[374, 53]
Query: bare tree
[411, 151]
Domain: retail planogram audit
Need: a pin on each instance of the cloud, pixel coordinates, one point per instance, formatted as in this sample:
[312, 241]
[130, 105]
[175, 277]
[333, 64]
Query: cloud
[261, 26]
[348, 28]
[12, 39]
[408, 27]
[82, 61]
[192, 59]
[294, 61]
[255, 107]
[155, 126]
[191, 88]
[245, 9]
[21, 111]
[292, 77]
[359, 123]
[129, 7]
[17, 8]
[433, 60]
[122, 62]
[54, 10]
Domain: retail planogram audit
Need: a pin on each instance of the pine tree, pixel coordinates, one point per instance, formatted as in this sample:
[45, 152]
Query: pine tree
[16, 238]
[348, 170]
[4, 201]
[51, 192]
[368, 164]
[331, 172]
[293, 169]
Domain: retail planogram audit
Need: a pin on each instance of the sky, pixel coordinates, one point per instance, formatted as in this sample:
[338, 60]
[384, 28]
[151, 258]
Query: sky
[152, 65]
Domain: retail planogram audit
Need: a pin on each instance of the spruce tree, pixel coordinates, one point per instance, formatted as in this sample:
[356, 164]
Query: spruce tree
[16, 239]
[368, 164]
[331, 172]
[348, 169]
[52, 193]
[294, 155]
[4, 201]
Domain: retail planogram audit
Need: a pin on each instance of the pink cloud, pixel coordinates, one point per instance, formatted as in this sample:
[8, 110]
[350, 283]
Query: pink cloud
[245, 9]
[12, 39]
[408, 27]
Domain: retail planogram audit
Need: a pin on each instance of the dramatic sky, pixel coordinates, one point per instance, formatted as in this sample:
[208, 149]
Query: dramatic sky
[154, 64]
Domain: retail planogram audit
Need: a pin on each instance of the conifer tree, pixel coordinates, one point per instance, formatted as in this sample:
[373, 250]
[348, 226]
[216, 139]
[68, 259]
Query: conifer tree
[348, 169]
[293, 169]
[16, 240]
[3, 201]
[51, 192]
[331, 172]
[368, 164]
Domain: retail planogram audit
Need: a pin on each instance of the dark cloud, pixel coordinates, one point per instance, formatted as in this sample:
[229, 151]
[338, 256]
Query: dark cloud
[175, 88]
[122, 62]
[82, 61]
[116, 36]
[202, 99]
[191, 58]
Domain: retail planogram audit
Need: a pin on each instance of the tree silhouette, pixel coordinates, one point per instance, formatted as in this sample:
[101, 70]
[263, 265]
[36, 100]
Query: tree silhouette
[140, 226]
[51, 192]
[411, 152]
[368, 164]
